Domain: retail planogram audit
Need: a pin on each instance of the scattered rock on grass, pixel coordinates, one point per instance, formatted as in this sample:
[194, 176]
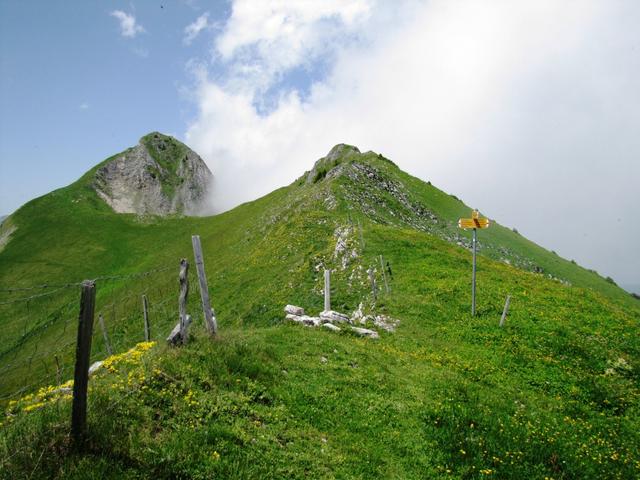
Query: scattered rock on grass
[293, 310]
[328, 319]
[333, 317]
[386, 323]
[304, 319]
[94, 367]
[331, 327]
[310, 321]
[365, 332]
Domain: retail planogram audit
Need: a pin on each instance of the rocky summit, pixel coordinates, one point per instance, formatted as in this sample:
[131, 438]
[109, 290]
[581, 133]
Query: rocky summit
[159, 176]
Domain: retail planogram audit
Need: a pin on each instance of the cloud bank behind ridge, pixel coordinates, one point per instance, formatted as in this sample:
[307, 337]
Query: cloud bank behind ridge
[527, 110]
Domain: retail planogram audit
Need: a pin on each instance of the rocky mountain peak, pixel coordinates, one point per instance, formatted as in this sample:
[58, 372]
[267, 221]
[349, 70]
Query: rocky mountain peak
[159, 176]
[336, 155]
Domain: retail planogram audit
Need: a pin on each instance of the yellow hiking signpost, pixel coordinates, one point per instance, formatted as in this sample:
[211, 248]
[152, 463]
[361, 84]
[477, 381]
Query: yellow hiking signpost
[474, 222]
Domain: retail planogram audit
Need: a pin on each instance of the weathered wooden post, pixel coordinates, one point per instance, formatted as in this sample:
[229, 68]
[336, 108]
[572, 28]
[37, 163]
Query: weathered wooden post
[145, 311]
[374, 286]
[212, 326]
[105, 336]
[182, 300]
[180, 332]
[327, 290]
[83, 352]
[384, 276]
[505, 311]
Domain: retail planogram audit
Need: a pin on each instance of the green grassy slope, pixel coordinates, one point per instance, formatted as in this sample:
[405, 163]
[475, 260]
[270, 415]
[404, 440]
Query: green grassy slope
[555, 393]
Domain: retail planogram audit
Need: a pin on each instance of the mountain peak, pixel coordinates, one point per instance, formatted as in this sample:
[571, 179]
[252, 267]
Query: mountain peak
[341, 150]
[159, 176]
[335, 157]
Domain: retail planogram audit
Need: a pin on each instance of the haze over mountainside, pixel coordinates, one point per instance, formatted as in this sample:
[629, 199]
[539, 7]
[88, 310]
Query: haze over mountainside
[554, 393]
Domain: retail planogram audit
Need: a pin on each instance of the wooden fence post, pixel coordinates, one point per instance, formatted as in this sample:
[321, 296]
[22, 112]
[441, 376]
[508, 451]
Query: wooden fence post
[505, 311]
[145, 311]
[327, 290]
[180, 332]
[182, 300]
[212, 326]
[105, 335]
[83, 352]
[384, 276]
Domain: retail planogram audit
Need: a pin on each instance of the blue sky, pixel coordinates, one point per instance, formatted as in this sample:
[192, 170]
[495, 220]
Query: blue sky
[74, 90]
[527, 110]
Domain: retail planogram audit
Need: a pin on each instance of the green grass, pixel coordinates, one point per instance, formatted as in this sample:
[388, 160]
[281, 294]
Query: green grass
[555, 393]
[168, 153]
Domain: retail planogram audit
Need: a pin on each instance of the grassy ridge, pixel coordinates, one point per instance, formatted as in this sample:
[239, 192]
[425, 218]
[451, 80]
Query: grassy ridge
[555, 393]
[444, 397]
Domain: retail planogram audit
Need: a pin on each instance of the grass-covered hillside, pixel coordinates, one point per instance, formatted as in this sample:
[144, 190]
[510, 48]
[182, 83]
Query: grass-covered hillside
[554, 393]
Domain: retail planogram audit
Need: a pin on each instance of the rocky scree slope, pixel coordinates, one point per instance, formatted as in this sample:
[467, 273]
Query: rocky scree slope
[158, 176]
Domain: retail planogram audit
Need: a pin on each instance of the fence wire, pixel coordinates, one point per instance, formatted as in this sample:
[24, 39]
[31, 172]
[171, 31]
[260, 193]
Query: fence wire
[40, 325]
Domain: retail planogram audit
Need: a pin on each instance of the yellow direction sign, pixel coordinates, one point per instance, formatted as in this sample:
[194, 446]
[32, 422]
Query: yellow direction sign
[474, 222]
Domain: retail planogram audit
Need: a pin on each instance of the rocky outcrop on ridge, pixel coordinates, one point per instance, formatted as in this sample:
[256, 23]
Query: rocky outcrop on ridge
[159, 176]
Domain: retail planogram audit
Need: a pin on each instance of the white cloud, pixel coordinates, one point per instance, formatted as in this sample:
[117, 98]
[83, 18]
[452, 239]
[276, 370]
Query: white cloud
[192, 30]
[128, 25]
[84, 106]
[264, 38]
[526, 110]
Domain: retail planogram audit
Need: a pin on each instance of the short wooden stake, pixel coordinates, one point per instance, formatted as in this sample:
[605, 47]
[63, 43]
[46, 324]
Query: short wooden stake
[505, 311]
[327, 290]
[182, 300]
[83, 352]
[384, 276]
[105, 336]
[212, 326]
[145, 311]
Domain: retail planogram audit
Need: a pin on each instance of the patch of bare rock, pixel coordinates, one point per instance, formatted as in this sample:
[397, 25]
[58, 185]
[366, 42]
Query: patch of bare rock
[330, 320]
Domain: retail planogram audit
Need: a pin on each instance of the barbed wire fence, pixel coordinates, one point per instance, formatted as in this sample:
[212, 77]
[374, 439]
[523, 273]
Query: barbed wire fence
[40, 324]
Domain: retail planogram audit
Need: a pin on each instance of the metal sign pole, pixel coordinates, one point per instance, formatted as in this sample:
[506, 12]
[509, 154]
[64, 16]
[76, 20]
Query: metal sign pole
[473, 280]
[475, 222]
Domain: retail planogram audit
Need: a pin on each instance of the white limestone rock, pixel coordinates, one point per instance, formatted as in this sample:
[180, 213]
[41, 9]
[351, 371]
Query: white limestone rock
[310, 321]
[386, 323]
[293, 310]
[332, 316]
[293, 318]
[95, 366]
[365, 332]
[331, 326]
